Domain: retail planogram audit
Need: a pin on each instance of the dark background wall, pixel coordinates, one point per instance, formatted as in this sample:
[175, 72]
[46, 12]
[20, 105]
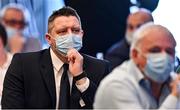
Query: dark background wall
[103, 21]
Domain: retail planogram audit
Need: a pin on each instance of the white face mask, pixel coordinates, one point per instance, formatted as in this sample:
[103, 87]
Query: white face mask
[66, 42]
[158, 66]
[12, 31]
[129, 37]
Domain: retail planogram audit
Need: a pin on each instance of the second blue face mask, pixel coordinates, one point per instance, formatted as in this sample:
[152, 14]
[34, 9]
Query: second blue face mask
[11, 32]
[66, 42]
[159, 66]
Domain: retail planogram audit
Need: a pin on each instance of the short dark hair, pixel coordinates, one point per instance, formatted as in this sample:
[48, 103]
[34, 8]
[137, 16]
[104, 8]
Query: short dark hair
[3, 34]
[65, 11]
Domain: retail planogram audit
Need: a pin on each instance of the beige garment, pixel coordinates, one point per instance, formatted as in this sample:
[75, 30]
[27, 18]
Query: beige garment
[3, 70]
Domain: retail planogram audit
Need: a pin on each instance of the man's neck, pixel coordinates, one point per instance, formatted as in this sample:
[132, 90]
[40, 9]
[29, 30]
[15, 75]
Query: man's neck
[156, 89]
[3, 57]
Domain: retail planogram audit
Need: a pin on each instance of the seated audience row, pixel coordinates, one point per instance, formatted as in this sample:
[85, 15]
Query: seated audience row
[61, 77]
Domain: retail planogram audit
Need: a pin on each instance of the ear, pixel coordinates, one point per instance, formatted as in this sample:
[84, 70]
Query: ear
[48, 38]
[134, 55]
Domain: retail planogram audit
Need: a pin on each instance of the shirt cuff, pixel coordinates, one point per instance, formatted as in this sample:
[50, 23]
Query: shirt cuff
[83, 87]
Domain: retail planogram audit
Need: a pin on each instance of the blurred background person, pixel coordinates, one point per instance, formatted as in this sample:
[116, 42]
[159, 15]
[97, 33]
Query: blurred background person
[143, 82]
[104, 21]
[5, 57]
[101, 19]
[119, 52]
[14, 18]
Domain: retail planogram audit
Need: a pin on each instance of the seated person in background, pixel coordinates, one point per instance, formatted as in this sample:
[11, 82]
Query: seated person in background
[119, 52]
[58, 77]
[13, 17]
[144, 81]
[5, 57]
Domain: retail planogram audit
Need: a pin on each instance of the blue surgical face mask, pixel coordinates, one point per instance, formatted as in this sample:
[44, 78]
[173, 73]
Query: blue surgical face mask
[158, 66]
[66, 42]
[11, 31]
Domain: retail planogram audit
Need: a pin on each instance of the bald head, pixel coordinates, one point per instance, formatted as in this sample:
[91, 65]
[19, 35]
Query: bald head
[135, 20]
[150, 31]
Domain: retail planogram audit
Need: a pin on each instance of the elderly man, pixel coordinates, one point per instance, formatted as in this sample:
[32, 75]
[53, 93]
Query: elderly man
[59, 77]
[14, 18]
[119, 52]
[143, 82]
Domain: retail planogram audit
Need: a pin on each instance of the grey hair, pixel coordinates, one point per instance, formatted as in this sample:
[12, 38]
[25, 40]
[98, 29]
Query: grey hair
[141, 32]
[18, 7]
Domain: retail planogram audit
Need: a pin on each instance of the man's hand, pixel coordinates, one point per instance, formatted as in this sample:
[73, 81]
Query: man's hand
[16, 43]
[175, 86]
[75, 62]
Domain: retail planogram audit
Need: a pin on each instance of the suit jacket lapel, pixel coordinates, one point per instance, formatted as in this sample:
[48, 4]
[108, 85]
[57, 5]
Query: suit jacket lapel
[48, 75]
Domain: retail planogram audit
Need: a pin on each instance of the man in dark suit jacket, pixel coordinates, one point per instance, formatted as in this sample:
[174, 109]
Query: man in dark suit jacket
[119, 52]
[34, 80]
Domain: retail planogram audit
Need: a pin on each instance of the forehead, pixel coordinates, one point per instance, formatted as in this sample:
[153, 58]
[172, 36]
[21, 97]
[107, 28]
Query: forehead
[66, 21]
[13, 13]
[138, 18]
[157, 38]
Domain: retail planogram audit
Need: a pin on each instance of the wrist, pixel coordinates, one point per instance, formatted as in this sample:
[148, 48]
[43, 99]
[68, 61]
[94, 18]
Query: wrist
[81, 81]
[80, 76]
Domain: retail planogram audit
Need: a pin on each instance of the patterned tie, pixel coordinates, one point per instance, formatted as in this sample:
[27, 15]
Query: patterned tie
[64, 97]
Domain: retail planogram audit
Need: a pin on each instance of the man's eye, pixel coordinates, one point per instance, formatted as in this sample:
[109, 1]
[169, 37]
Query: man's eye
[155, 50]
[62, 31]
[130, 27]
[75, 30]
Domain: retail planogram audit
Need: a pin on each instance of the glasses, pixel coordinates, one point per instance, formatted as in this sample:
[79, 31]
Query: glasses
[156, 49]
[14, 22]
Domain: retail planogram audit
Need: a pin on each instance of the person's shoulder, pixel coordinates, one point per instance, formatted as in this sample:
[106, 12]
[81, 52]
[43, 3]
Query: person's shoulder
[89, 58]
[27, 55]
[118, 46]
[115, 46]
[119, 74]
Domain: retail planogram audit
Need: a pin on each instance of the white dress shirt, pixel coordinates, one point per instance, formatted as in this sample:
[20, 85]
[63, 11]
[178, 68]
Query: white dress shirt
[126, 88]
[58, 70]
[3, 70]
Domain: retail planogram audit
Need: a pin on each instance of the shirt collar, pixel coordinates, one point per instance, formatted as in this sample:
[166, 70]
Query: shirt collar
[137, 74]
[57, 63]
[140, 78]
